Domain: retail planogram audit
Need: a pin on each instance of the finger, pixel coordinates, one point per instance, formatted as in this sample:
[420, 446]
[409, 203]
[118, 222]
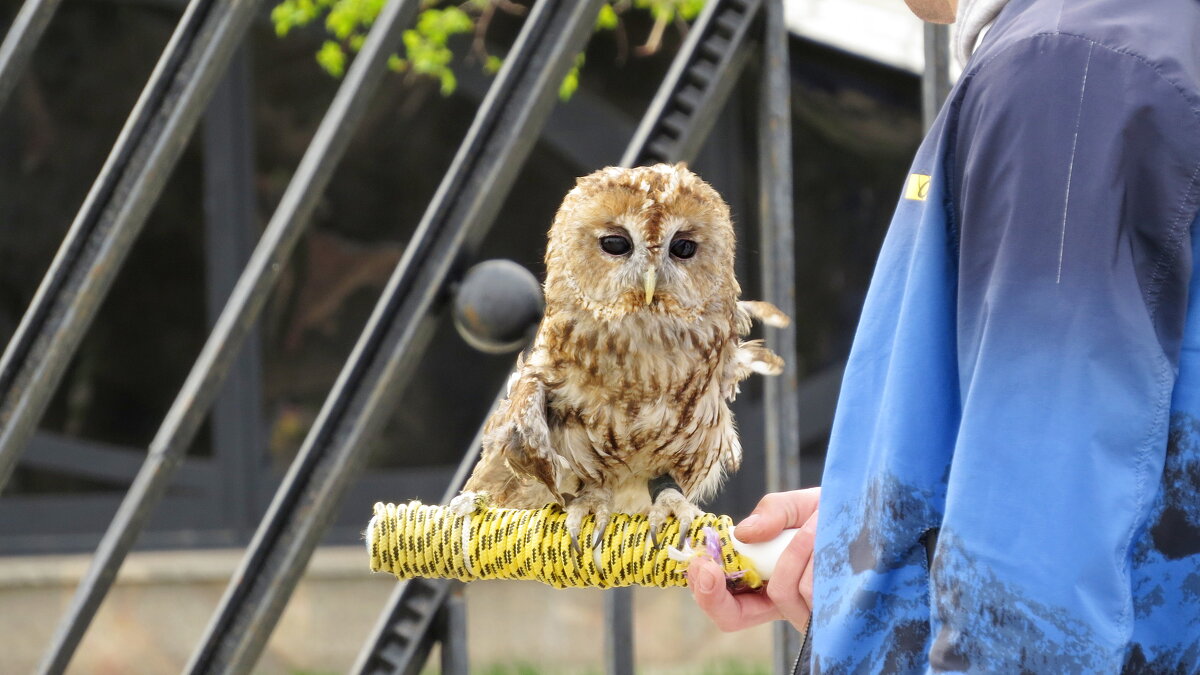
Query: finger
[806, 586]
[784, 588]
[728, 611]
[806, 577]
[777, 511]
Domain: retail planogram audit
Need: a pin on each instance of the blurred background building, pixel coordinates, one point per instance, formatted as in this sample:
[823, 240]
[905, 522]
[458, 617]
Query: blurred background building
[855, 105]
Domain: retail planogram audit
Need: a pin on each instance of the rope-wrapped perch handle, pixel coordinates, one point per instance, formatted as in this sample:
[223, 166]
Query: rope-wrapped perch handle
[419, 540]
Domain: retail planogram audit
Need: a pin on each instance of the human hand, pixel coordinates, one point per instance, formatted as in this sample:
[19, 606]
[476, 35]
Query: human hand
[788, 594]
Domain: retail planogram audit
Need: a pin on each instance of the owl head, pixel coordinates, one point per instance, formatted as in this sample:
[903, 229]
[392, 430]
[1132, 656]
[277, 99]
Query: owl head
[648, 240]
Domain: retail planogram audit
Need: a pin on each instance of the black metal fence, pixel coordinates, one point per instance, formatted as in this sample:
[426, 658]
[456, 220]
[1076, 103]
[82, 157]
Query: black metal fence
[729, 37]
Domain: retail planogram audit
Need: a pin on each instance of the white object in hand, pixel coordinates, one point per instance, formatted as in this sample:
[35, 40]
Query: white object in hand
[765, 554]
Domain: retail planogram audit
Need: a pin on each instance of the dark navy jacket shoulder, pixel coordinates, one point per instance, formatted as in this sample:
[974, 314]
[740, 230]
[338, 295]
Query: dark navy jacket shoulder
[1023, 394]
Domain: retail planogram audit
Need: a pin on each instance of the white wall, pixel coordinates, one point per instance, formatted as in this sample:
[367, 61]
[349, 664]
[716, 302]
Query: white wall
[881, 30]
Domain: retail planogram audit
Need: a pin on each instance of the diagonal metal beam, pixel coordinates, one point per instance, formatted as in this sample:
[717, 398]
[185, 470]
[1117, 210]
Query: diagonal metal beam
[402, 638]
[20, 42]
[113, 214]
[381, 364]
[697, 85]
[203, 383]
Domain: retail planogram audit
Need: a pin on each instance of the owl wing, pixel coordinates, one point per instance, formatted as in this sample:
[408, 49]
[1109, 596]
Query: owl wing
[516, 447]
[753, 356]
[750, 356]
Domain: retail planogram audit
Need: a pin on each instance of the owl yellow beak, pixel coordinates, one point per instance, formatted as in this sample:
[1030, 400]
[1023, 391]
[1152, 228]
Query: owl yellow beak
[649, 280]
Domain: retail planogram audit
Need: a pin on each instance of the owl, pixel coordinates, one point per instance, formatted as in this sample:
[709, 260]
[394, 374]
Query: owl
[621, 404]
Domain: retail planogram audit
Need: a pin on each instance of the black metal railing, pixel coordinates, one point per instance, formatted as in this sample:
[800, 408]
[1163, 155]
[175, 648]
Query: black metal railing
[22, 38]
[237, 319]
[379, 368]
[112, 215]
[722, 43]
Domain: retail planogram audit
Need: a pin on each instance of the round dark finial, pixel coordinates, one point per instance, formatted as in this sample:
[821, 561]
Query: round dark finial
[498, 306]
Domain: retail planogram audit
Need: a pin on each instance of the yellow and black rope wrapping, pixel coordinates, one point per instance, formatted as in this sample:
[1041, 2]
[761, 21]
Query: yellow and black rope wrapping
[419, 540]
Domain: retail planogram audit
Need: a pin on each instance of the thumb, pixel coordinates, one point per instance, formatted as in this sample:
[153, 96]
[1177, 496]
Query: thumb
[776, 512]
[705, 578]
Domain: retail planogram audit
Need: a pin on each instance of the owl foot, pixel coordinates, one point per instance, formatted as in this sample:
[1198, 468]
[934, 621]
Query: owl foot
[467, 501]
[669, 501]
[595, 501]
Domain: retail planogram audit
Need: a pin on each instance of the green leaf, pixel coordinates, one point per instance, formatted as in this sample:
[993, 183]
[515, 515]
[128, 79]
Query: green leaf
[428, 58]
[449, 82]
[607, 19]
[412, 39]
[690, 9]
[661, 10]
[332, 58]
[306, 11]
[439, 24]
[341, 21]
[280, 16]
[426, 46]
[457, 21]
[570, 83]
[292, 13]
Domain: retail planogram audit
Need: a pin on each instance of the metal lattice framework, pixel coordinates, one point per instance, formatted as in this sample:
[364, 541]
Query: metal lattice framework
[725, 40]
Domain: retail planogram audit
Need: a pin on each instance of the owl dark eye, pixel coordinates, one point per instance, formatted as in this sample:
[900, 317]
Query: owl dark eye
[683, 248]
[615, 244]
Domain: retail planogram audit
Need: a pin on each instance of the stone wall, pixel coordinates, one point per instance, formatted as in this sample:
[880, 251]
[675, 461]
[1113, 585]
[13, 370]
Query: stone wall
[157, 612]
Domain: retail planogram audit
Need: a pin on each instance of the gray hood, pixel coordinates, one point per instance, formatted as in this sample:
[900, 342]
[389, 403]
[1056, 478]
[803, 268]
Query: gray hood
[973, 17]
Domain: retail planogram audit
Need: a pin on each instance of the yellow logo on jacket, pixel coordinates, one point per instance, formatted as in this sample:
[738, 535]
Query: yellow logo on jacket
[918, 187]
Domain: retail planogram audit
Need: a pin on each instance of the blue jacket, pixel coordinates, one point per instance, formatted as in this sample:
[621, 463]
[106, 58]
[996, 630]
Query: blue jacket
[1013, 481]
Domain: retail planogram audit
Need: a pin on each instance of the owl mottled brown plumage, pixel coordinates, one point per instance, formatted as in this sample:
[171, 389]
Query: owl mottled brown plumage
[627, 383]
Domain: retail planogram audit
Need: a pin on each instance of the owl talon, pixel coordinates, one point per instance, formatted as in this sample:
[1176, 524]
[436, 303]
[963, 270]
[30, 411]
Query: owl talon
[601, 524]
[654, 535]
[685, 527]
[592, 501]
[671, 502]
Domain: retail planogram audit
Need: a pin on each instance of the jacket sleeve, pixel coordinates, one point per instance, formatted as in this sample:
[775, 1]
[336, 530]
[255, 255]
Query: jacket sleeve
[1072, 189]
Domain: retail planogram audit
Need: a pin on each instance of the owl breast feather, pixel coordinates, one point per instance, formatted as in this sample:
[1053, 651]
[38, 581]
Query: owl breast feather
[631, 400]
